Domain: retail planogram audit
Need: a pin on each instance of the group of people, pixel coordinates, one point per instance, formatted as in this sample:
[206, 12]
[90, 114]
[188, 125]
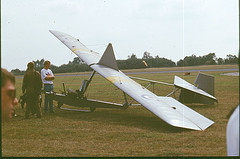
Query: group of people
[32, 87]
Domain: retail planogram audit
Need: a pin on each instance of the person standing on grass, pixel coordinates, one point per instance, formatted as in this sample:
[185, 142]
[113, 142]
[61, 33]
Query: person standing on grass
[32, 84]
[47, 78]
[8, 95]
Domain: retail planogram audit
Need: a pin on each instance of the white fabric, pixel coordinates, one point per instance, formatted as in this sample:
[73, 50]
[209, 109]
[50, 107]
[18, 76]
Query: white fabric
[233, 134]
[44, 74]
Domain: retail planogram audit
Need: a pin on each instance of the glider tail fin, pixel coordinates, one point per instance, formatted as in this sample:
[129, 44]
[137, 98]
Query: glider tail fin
[205, 82]
[108, 58]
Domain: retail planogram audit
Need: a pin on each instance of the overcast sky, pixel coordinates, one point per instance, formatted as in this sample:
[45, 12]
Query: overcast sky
[168, 28]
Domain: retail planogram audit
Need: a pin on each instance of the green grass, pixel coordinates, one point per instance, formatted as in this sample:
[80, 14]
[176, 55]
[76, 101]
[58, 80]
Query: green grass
[111, 132]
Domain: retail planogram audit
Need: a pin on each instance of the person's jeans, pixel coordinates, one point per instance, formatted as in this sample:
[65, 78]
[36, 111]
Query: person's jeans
[48, 102]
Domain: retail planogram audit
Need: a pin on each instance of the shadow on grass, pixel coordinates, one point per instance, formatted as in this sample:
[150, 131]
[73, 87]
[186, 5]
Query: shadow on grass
[123, 117]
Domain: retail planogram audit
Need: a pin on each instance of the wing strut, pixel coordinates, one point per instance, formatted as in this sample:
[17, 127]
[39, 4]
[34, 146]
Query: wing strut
[125, 104]
[89, 80]
[84, 86]
[174, 90]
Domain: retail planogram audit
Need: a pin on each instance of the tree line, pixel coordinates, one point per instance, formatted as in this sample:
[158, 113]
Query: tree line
[77, 65]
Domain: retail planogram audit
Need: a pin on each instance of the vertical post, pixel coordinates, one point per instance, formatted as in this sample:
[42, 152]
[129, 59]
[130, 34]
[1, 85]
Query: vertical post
[90, 79]
[64, 88]
[125, 97]
[153, 87]
[88, 82]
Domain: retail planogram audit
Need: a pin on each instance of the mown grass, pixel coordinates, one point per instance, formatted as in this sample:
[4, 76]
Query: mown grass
[111, 132]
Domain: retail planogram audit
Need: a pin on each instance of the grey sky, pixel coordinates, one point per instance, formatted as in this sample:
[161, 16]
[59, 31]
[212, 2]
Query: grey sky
[169, 28]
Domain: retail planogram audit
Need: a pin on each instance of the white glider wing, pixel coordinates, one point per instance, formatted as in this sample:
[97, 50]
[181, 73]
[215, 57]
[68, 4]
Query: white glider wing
[87, 55]
[166, 108]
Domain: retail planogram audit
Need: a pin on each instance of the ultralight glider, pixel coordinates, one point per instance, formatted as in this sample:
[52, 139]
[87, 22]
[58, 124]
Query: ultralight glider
[167, 108]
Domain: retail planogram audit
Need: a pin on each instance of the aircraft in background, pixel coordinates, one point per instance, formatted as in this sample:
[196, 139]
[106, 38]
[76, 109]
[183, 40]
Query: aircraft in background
[165, 107]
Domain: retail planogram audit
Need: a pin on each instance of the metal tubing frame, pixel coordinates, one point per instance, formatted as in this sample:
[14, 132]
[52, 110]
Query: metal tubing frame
[174, 90]
[89, 80]
[64, 88]
[125, 97]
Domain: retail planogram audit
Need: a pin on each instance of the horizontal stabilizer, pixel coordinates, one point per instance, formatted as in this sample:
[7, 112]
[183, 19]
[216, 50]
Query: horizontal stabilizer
[189, 91]
[108, 59]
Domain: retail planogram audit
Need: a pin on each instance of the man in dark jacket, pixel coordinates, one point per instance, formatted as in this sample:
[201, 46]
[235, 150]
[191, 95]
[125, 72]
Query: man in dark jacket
[32, 84]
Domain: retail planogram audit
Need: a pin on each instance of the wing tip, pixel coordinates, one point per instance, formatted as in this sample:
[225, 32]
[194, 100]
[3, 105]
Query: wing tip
[51, 31]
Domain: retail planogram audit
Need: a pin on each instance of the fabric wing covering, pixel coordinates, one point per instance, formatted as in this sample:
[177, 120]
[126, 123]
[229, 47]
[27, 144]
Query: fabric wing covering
[166, 108]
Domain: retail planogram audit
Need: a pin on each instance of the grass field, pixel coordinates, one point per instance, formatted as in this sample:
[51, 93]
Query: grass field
[111, 132]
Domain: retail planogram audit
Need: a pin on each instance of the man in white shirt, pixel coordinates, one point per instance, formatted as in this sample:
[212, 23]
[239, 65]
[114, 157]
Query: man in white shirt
[47, 78]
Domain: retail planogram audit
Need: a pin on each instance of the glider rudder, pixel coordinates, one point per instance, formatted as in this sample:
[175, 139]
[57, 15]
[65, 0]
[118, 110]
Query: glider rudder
[108, 58]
